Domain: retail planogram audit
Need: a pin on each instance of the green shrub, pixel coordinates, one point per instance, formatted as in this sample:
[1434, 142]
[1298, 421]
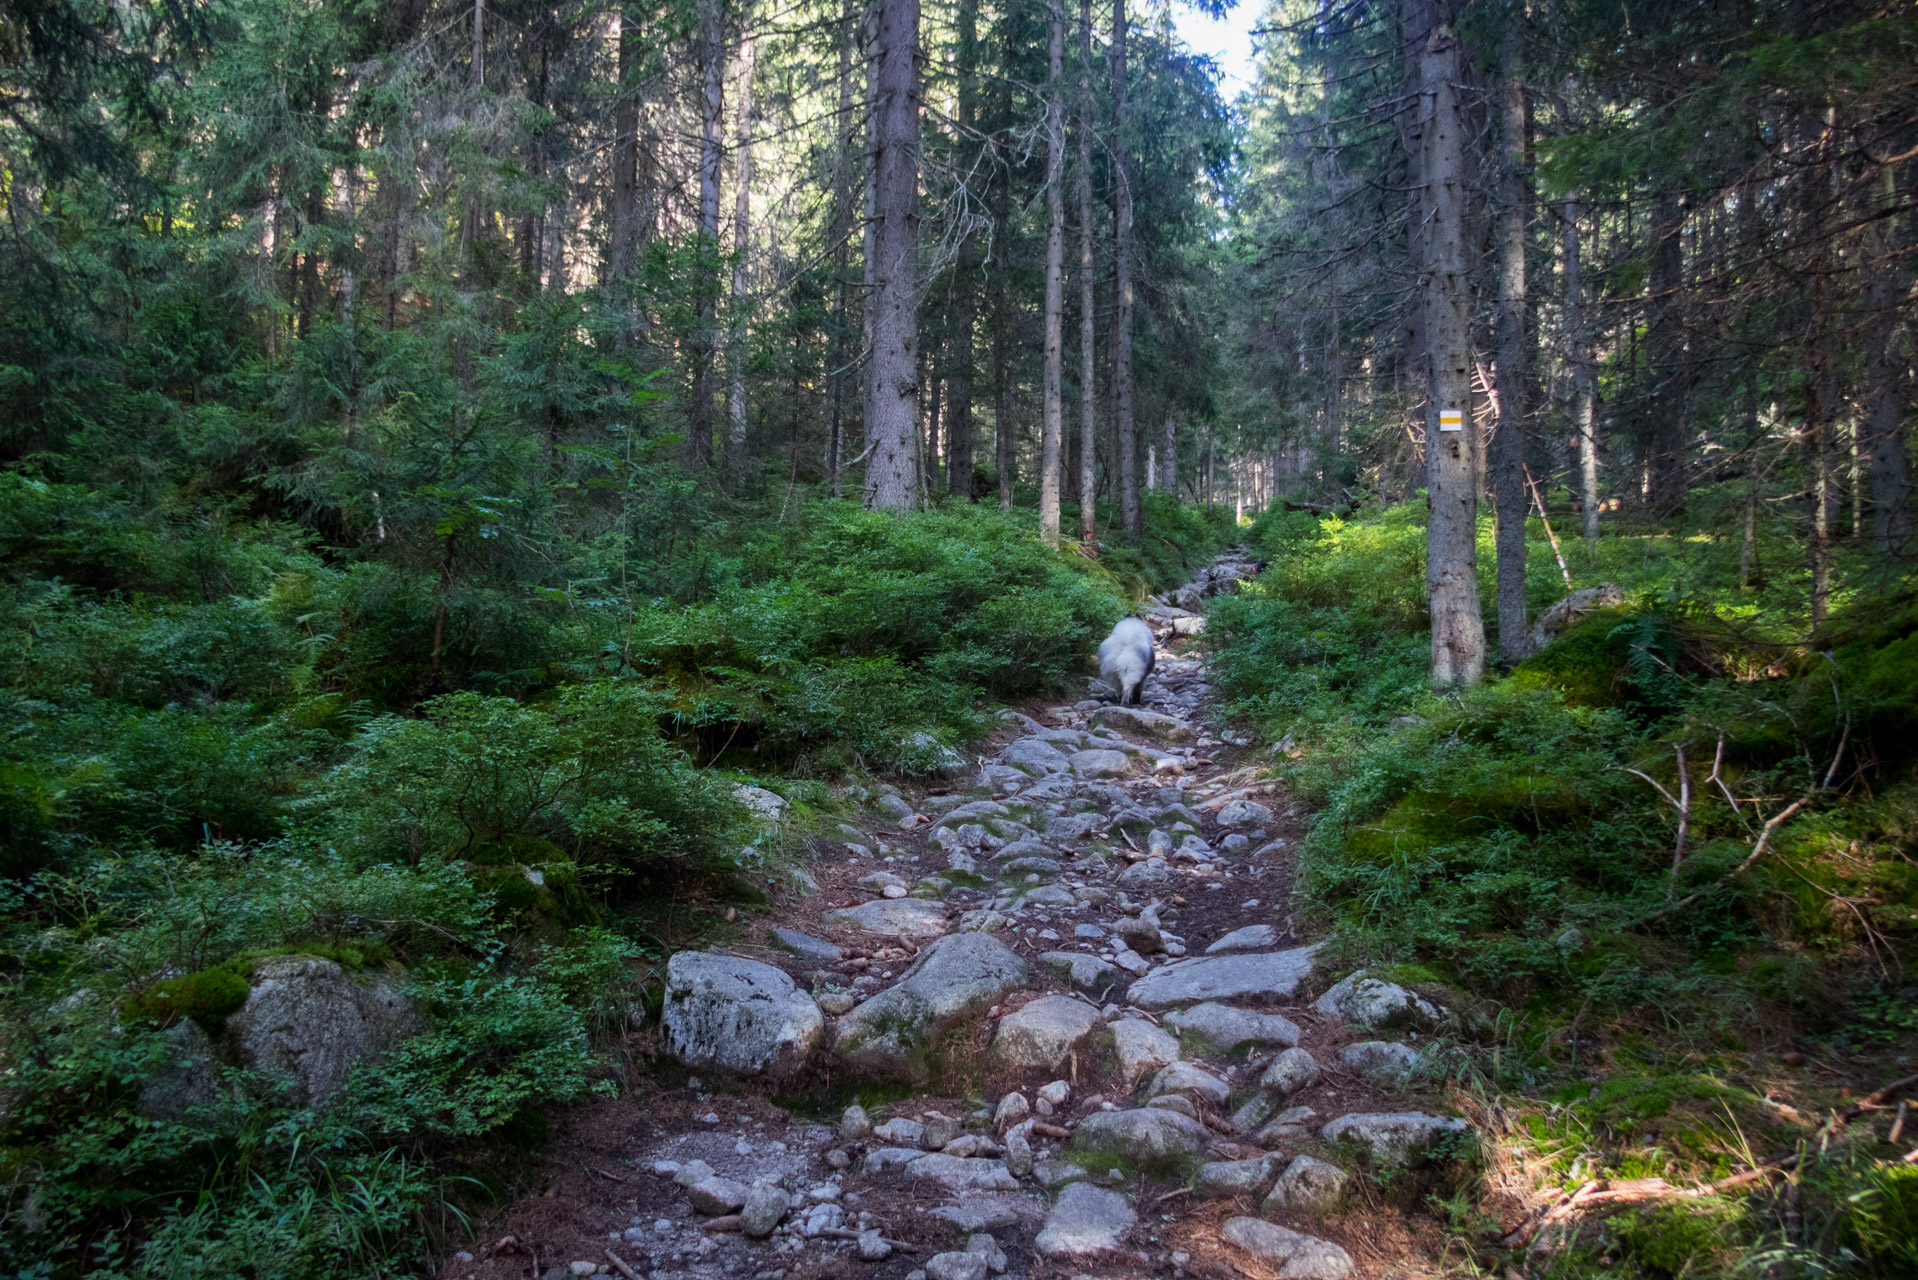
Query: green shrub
[589, 773]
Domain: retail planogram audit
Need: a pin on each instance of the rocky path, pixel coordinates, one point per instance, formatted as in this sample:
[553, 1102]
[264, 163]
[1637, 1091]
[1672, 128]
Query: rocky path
[1087, 1038]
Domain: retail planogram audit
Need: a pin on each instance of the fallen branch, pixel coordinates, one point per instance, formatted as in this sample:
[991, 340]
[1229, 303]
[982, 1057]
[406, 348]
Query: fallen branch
[1758, 851]
[1607, 1191]
[1538, 500]
[840, 1233]
[621, 1265]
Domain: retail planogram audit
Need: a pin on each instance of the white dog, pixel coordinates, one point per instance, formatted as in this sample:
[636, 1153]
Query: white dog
[1125, 659]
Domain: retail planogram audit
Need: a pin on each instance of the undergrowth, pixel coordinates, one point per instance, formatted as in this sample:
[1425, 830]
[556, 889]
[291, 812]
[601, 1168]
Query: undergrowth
[508, 792]
[1634, 1002]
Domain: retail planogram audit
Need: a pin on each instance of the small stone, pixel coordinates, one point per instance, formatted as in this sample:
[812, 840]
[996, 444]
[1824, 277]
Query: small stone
[900, 1132]
[1385, 1064]
[956, 1266]
[1244, 813]
[834, 1003]
[938, 1130]
[1307, 1185]
[1141, 935]
[689, 1173]
[716, 1195]
[838, 1158]
[1254, 937]
[854, 1123]
[1192, 1080]
[1019, 1150]
[982, 1213]
[1160, 1143]
[1237, 1177]
[805, 946]
[1291, 1071]
[1011, 1110]
[765, 1209]
[1043, 1034]
[1142, 1047]
[1377, 1006]
[1058, 1093]
[1087, 1219]
[1175, 1102]
[1393, 1137]
[1224, 1029]
[1301, 1257]
[583, 1268]
[872, 1246]
[982, 1243]
[1269, 975]
[1084, 973]
[1289, 1125]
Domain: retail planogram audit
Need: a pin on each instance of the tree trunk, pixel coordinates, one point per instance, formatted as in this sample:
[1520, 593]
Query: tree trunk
[1054, 417]
[1170, 461]
[841, 261]
[892, 413]
[1088, 398]
[1417, 18]
[1514, 369]
[1584, 408]
[1130, 513]
[1748, 570]
[1451, 569]
[1668, 454]
[1005, 455]
[712, 58]
[622, 251]
[736, 351]
[1885, 390]
[965, 274]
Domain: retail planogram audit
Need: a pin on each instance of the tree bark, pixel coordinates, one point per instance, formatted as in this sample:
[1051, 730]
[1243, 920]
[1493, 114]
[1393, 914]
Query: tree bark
[965, 308]
[1170, 460]
[1053, 425]
[841, 261]
[1584, 407]
[1514, 367]
[1130, 513]
[622, 251]
[737, 350]
[892, 416]
[1885, 390]
[712, 58]
[1668, 454]
[1005, 455]
[1451, 569]
[1088, 397]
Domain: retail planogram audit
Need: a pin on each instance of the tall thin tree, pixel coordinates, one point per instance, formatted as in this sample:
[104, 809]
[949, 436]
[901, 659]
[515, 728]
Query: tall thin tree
[1131, 515]
[1088, 395]
[737, 347]
[1451, 551]
[1054, 417]
[712, 65]
[1514, 363]
[892, 391]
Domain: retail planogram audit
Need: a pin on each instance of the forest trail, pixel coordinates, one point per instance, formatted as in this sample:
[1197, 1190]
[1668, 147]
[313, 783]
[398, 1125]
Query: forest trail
[1103, 847]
